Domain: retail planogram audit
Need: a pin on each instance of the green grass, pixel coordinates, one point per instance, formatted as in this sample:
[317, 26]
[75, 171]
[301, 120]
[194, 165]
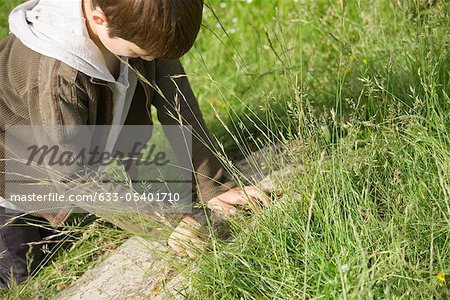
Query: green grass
[359, 92]
[366, 85]
[5, 7]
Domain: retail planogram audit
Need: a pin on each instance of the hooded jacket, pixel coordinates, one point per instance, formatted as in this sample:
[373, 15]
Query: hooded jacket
[58, 29]
[44, 80]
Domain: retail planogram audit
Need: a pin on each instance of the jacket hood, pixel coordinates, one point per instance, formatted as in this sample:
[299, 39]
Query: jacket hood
[57, 28]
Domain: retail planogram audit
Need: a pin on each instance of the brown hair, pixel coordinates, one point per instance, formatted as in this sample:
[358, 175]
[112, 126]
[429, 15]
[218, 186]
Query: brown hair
[163, 28]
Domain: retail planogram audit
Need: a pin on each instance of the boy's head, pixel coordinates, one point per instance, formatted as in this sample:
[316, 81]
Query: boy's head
[147, 28]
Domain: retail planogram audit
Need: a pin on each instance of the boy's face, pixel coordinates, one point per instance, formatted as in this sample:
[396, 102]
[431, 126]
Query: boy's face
[97, 24]
[120, 46]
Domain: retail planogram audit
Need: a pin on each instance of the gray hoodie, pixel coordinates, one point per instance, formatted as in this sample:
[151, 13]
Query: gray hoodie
[57, 28]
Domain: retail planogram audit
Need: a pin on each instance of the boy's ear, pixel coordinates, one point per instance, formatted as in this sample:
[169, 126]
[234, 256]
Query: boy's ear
[99, 17]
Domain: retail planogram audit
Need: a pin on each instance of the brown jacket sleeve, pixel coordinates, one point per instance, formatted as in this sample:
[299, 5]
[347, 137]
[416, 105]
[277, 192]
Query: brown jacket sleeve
[177, 105]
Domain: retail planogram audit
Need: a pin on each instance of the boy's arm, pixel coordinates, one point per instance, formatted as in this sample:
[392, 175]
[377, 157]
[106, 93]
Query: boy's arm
[220, 195]
[179, 102]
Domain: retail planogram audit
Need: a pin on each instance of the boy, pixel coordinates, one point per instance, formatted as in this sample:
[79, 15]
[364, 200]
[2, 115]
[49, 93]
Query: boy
[60, 66]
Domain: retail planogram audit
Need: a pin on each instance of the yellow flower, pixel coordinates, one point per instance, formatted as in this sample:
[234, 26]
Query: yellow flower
[441, 277]
[218, 103]
[364, 61]
[352, 57]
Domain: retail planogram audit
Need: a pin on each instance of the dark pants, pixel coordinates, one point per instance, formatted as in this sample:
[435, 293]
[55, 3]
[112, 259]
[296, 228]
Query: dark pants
[18, 259]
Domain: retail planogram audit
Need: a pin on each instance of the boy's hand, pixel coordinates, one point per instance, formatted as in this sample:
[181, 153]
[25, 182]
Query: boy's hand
[188, 237]
[250, 196]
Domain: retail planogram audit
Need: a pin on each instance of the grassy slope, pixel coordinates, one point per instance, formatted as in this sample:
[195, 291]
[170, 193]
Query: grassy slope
[369, 88]
[363, 90]
[6, 6]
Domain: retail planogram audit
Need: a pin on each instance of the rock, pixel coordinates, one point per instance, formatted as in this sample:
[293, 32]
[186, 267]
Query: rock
[134, 271]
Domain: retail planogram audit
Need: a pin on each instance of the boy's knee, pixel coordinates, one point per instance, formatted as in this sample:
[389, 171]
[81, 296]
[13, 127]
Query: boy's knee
[18, 259]
[11, 275]
[17, 262]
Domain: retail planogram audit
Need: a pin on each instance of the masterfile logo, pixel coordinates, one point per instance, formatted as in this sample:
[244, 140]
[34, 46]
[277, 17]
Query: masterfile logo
[142, 168]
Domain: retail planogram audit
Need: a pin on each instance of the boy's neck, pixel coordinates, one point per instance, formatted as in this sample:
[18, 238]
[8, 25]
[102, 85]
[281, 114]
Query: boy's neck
[111, 60]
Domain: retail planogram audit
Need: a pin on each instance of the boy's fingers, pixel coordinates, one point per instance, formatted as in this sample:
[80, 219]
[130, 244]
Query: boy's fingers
[176, 247]
[258, 194]
[190, 220]
[185, 234]
[261, 196]
[187, 237]
[178, 243]
[195, 229]
[198, 244]
[218, 205]
[191, 255]
[234, 197]
[252, 194]
[192, 224]
[184, 245]
[247, 198]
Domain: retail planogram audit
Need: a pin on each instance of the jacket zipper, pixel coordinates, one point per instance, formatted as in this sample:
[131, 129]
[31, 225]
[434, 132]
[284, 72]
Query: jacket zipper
[101, 82]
